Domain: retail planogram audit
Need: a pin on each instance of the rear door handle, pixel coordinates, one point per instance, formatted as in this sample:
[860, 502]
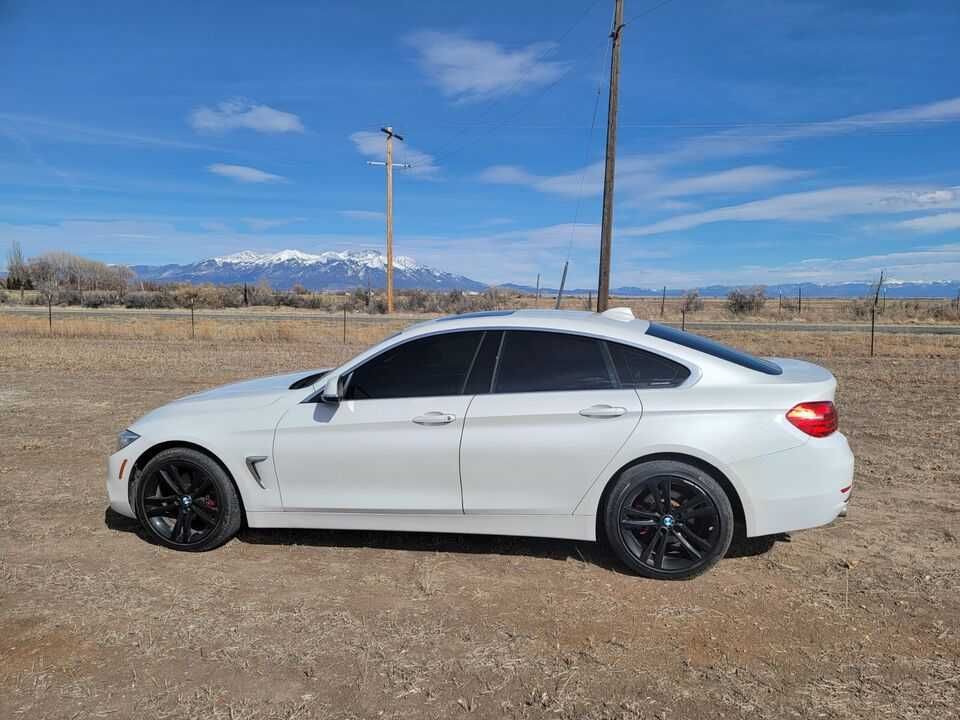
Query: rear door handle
[435, 418]
[603, 411]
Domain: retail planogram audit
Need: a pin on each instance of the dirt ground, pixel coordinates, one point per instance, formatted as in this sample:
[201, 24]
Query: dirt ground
[859, 619]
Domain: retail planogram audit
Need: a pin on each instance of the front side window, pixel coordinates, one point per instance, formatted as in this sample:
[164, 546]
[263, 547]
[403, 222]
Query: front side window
[430, 366]
[532, 361]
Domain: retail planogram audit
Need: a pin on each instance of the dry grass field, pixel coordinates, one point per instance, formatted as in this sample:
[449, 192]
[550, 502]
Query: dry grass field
[859, 619]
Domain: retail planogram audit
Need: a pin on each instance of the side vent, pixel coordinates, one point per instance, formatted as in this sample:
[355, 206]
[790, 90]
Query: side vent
[252, 462]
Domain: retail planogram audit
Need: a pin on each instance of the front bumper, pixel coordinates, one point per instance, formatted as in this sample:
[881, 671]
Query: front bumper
[804, 487]
[119, 468]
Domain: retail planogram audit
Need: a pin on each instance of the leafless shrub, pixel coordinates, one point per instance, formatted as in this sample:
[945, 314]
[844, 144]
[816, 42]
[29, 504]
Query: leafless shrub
[859, 308]
[741, 302]
[149, 300]
[419, 301]
[692, 302]
[100, 298]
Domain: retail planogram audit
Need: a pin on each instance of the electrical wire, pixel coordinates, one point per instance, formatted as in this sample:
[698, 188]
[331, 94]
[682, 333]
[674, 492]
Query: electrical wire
[642, 13]
[586, 160]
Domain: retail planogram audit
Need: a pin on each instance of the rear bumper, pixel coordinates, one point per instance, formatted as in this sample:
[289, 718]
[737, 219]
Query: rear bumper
[804, 487]
[119, 467]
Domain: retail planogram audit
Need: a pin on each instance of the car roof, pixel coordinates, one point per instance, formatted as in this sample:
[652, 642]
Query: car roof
[616, 323]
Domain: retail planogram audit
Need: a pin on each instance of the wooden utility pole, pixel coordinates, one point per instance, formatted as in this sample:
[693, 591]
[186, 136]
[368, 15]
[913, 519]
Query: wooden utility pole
[538, 289]
[606, 228]
[389, 165]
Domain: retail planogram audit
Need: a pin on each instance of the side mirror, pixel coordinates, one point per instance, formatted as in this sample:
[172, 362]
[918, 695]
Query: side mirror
[334, 390]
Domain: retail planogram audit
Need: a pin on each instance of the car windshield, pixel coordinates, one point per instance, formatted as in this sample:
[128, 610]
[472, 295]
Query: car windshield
[712, 347]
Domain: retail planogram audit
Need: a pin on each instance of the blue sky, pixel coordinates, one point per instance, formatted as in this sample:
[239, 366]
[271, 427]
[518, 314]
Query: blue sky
[759, 142]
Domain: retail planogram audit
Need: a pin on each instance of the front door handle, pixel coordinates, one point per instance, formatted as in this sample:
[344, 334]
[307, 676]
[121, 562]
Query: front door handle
[603, 411]
[435, 418]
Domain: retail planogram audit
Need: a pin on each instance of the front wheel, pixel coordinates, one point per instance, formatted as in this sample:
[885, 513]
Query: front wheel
[668, 520]
[186, 501]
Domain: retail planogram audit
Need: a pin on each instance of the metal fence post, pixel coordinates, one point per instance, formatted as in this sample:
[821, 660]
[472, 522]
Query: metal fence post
[344, 324]
[193, 323]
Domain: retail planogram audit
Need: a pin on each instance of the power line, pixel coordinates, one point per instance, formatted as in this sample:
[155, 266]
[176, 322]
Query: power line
[693, 125]
[649, 10]
[586, 157]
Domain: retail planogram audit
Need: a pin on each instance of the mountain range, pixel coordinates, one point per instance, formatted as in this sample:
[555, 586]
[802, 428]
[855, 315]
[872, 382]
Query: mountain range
[338, 271]
[325, 271]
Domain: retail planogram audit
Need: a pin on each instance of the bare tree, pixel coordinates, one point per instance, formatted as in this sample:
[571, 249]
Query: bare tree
[692, 301]
[18, 278]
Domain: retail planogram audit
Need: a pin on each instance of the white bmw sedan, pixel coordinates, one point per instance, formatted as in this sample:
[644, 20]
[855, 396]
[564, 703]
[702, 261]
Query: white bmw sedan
[544, 423]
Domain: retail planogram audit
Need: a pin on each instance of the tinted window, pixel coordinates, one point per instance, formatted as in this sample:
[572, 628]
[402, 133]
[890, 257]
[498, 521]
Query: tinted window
[482, 371]
[641, 369]
[711, 347]
[434, 365]
[533, 361]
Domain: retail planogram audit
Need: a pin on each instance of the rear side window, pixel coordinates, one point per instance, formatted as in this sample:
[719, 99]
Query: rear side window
[426, 367]
[532, 361]
[712, 347]
[641, 369]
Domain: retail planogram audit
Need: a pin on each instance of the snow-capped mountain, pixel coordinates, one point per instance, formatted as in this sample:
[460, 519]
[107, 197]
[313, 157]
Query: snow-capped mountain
[324, 271]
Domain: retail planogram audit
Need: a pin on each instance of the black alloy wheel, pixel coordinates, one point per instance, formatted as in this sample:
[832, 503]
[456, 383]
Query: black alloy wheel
[186, 501]
[668, 520]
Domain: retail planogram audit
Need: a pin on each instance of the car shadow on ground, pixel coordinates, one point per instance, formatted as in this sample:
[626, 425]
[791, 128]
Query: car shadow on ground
[594, 553]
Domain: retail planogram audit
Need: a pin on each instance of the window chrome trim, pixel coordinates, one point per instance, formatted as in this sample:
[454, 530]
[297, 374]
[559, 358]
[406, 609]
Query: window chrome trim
[695, 372]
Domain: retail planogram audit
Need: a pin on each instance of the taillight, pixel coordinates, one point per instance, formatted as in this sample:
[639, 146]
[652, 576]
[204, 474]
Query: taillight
[817, 419]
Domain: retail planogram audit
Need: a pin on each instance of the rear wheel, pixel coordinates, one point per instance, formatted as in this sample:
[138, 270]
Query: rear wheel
[186, 501]
[668, 520]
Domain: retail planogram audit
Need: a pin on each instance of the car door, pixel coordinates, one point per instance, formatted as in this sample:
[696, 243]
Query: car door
[556, 416]
[392, 443]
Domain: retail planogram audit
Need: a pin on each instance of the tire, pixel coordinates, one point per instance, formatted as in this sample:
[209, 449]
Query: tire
[186, 501]
[677, 539]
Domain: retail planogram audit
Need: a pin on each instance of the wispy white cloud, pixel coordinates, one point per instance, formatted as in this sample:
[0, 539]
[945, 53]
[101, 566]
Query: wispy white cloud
[18, 127]
[930, 264]
[244, 174]
[637, 178]
[261, 224]
[941, 222]
[362, 214]
[215, 226]
[756, 138]
[642, 176]
[371, 145]
[469, 70]
[741, 179]
[815, 205]
[164, 240]
[509, 175]
[240, 113]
